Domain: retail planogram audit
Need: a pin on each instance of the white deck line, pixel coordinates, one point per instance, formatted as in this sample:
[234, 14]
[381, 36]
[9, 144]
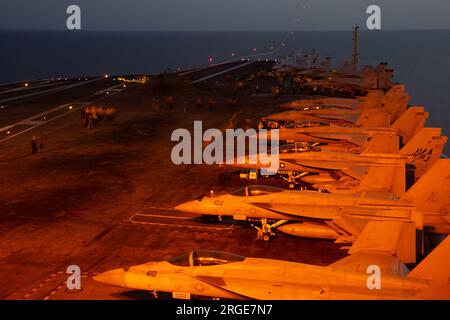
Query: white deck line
[206, 67]
[48, 91]
[163, 216]
[83, 103]
[224, 71]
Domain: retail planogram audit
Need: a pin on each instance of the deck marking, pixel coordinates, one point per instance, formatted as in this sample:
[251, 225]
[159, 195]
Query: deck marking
[206, 67]
[83, 104]
[180, 226]
[58, 89]
[224, 71]
[60, 285]
[163, 216]
[138, 213]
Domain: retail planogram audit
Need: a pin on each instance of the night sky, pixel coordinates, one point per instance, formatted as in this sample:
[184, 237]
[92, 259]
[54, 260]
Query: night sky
[223, 14]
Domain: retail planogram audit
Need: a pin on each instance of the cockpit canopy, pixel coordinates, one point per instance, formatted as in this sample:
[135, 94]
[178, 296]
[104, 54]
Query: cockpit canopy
[287, 148]
[252, 191]
[312, 107]
[298, 147]
[205, 258]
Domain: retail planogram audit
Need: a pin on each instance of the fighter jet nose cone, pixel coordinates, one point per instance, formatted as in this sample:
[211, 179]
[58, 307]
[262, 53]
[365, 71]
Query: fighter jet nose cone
[114, 277]
[190, 206]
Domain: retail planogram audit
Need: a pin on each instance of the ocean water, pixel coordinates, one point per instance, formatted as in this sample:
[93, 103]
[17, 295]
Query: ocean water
[421, 59]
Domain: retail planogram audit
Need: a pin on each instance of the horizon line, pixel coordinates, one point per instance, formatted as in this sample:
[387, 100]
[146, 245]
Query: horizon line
[222, 30]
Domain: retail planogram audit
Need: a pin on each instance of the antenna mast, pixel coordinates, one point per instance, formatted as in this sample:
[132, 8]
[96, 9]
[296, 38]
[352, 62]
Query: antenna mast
[355, 47]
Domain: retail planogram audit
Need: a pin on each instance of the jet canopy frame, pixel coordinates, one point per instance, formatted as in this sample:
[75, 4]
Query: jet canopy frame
[298, 147]
[257, 190]
[202, 258]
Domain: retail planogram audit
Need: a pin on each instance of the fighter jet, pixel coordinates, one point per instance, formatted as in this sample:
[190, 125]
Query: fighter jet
[353, 139]
[341, 217]
[306, 119]
[386, 110]
[370, 272]
[314, 101]
[325, 168]
[373, 100]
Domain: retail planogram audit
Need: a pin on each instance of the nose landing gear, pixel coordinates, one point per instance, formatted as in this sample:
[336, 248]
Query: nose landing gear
[265, 231]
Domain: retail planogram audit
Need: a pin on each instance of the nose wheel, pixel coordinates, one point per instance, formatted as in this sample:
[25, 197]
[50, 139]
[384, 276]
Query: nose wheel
[292, 178]
[265, 231]
[266, 237]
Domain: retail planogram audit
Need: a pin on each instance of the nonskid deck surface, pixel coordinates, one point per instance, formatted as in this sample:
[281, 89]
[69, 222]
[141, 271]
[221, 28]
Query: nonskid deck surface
[103, 198]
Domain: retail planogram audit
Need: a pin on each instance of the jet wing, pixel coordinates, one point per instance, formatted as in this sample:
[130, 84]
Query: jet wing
[357, 172]
[392, 234]
[358, 140]
[360, 262]
[296, 212]
[233, 287]
[352, 118]
[355, 140]
[379, 194]
[382, 240]
[219, 283]
[332, 137]
[263, 290]
[317, 165]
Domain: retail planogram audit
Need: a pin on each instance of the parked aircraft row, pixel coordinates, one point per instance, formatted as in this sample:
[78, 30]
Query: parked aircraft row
[376, 183]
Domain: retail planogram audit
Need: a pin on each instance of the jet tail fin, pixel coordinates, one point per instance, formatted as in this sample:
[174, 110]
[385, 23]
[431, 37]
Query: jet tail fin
[424, 149]
[373, 99]
[435, 266]
[410, 122]
[395, 101]
[382, 143]
[388, 179]
[431, 192]
[374, 119]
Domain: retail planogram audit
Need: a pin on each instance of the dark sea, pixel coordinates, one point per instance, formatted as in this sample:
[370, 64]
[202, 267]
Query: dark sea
[421, 59]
